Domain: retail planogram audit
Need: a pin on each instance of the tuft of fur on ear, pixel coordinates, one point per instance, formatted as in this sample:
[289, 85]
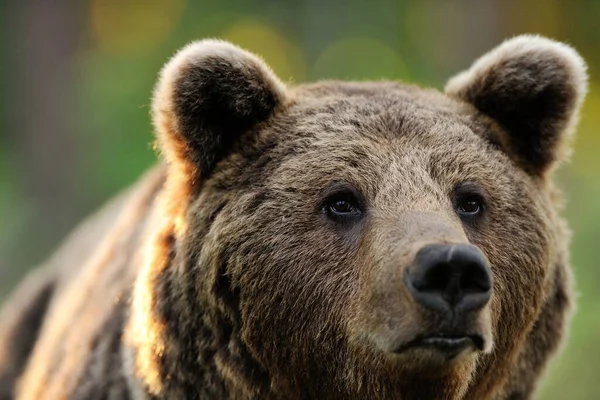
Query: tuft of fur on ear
[207, 95]
[532, 87]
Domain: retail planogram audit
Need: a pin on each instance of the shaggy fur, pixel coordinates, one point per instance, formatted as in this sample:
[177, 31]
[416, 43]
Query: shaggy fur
[222, 274]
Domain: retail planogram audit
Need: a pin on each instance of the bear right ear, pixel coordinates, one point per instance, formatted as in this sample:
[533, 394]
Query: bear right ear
[208, 95]
[533, 87]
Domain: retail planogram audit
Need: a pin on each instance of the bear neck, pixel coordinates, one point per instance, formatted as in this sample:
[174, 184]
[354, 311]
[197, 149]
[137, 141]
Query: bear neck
[183, 337]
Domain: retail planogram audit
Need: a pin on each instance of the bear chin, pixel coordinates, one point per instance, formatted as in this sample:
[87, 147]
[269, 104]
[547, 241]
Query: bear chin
[436, 363]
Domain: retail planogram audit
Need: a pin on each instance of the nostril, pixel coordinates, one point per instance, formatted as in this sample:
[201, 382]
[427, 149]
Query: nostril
[475, 279]
[450, 276]
[435, 279]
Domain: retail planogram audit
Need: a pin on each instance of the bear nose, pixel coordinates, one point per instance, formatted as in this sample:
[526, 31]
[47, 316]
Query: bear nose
[450, 277]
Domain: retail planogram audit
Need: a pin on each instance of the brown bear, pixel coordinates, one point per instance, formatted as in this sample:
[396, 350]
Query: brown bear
[337, 240]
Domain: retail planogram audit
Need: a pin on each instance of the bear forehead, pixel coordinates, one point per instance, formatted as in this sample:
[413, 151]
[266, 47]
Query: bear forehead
[404, 99]
[353, 122]
[347, 111]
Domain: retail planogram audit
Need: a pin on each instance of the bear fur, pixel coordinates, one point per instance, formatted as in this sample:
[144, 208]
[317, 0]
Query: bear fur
[226, 273]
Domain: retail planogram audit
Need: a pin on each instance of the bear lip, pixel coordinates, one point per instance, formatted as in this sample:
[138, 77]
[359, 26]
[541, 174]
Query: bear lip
[450, 344]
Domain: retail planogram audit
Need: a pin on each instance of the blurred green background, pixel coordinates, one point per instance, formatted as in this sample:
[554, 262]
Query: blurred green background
[76, 77]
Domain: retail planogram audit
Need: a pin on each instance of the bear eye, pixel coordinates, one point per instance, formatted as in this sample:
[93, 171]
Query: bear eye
[342, 207]
[469, 207]
[469, 200]
[342, 203]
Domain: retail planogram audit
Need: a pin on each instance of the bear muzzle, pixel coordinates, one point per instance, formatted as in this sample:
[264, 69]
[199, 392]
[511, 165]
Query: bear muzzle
[453, 282]
[436, 307]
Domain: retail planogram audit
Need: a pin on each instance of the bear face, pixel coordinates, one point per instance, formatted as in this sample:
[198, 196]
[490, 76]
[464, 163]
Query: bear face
[357, 240]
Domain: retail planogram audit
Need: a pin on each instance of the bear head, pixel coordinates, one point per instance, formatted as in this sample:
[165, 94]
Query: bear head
[357, 239]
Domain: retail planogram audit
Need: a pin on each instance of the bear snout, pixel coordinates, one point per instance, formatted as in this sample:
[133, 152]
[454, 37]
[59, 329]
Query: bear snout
[437, 308]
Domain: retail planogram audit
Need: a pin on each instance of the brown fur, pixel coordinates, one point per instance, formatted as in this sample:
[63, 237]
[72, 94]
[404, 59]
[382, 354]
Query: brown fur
[220, 275]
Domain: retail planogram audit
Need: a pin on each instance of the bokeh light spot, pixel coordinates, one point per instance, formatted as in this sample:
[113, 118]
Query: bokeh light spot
[123, 26]
[360, 58]
[281, 55]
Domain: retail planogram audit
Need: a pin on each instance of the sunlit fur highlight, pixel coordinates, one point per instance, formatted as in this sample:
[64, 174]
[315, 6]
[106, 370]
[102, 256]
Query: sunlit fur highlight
[42, 381]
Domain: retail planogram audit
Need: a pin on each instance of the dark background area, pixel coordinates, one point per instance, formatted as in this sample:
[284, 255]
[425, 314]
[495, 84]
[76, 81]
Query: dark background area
[76, 78]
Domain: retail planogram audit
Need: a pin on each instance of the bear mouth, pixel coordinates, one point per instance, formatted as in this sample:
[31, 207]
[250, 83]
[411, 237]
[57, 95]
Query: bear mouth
[450, 345]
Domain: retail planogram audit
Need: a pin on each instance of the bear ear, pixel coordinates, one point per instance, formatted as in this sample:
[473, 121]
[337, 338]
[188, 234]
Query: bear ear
[533, 88]
[207, 95]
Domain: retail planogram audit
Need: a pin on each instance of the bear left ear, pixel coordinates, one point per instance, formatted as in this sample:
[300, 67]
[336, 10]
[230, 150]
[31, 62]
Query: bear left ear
[533, 87]
[207, 96]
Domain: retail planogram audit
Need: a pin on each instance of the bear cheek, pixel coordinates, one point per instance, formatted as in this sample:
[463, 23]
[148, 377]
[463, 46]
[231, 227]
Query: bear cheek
[521, 267]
